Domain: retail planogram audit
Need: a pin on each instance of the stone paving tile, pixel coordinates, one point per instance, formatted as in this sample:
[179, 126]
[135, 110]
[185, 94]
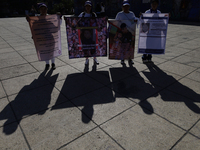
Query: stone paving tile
[136, 130]
[36, 101]
[96, 139]
[196, 130]
[12, 62]
[6, 113]
[176, 68]
[66, 59]
[54, 129]
[194, 53]
[100, 105]
[156, 76]
[6, 50]
[187, 60]
[87, 68]
[31, 58]
[188, 142]
[133, 88]
[9, 55]
[27, 52]
[40, 65]
[14, 140]
[188, 88]
[24, 83]
[195, 75]
[77, 84]
[175, 108]
[2, 92]
[16, 71]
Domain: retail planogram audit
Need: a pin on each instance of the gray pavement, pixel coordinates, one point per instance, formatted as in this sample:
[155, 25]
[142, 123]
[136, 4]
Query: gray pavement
[108, 107]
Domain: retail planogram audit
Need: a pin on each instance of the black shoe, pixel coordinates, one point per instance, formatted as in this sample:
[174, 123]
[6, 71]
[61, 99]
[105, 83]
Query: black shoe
[47, 67]
[122, 62]
[53, 66]
[130, 62]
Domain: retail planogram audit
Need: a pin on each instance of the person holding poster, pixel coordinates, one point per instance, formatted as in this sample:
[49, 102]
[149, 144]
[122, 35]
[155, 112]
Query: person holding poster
[125, 14]
[145, 27]
[43, 12]
[87, 33]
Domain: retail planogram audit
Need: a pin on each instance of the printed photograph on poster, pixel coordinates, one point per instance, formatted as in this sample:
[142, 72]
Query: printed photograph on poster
[153, 33]
[46, 36]
[121, 39]
[86, 37]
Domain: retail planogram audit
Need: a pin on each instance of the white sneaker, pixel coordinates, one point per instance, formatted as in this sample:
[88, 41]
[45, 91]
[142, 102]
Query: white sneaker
[96, 61]
[86, 61]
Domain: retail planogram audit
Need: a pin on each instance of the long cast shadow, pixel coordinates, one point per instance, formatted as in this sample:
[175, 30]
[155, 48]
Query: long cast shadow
[29, 102]
[84, 90]
[130, 86]
[156, 76]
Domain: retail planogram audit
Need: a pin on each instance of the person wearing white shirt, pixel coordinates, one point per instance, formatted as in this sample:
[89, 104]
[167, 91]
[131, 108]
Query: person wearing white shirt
[125, 14]
[154, 5]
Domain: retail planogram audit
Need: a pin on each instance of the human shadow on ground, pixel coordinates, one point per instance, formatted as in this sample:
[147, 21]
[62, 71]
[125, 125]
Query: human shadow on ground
[157, 77]
[127, 82]
[84, 90]
[31, 99]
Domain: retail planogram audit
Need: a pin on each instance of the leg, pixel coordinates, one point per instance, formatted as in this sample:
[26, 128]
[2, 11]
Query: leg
[47, 65]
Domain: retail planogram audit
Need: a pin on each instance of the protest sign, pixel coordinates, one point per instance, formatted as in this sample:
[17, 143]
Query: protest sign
[86, 37]
[153, 33]
[46, 35]
[121, 39]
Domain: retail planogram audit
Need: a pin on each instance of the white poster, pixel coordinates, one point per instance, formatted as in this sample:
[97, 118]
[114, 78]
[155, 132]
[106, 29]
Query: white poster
[153, 33]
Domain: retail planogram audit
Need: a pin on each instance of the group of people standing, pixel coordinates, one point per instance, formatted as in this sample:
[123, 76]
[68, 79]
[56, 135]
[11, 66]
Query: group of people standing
[125, 14]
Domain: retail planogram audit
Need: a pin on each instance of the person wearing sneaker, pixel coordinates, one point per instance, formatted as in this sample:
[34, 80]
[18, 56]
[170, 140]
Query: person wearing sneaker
[43, 12]
[125, 14]
[88, 13]
[154, 5]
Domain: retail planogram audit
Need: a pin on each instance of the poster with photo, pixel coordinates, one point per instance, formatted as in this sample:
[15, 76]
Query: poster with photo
[121, 39]
[86, 37]
[153, 33]
[46, 36]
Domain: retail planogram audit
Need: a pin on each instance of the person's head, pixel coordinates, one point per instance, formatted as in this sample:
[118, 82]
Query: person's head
[88, 7]
[42, 9]
[123, 28]
[102, 4]
[154, 4]
[126, 6]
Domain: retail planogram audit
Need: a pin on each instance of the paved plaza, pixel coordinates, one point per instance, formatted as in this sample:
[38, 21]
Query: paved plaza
[153, 106]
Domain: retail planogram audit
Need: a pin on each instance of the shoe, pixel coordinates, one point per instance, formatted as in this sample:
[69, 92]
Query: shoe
[122, 62]
[96, 61]
[145, 61]
[130, 62]
[53, 66]
[86, 61]
[47, 67]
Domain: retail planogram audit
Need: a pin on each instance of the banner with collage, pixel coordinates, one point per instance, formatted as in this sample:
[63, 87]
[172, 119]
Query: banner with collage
[121, 39]
[86, 37]
[46, 36]
[153, 33]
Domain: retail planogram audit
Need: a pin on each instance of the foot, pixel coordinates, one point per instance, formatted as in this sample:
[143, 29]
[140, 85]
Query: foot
[96, 61]
[122, 62]
[145, 61]
[130, 62]
[47, 67]
[86, 61]
[53, 66]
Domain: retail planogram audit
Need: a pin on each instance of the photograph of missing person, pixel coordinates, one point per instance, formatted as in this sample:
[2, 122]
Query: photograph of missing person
[145, 27]
[86, 37]
[121, 41]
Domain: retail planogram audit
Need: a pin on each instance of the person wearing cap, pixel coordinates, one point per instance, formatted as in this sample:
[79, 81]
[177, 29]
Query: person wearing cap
[154, 5]
[125, 14]
[43, 12]
[88, 13]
